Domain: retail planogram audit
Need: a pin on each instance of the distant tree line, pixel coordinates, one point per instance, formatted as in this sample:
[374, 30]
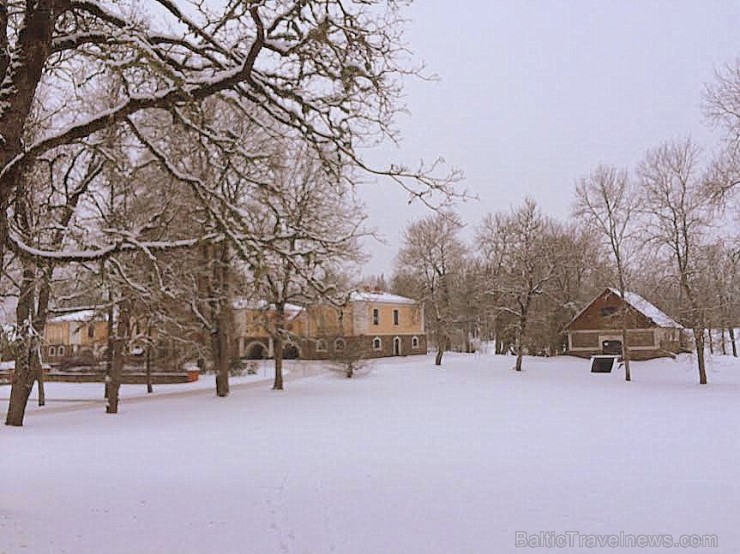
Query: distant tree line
[666, 229]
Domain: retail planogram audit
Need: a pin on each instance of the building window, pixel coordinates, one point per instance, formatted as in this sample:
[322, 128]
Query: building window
[91, 331]
[395, 317]
[415, 343]
[339, 345]
[60, 351]
[52, 351]
[321, 345]
[609, 310]
[376, 316]
[377, 344]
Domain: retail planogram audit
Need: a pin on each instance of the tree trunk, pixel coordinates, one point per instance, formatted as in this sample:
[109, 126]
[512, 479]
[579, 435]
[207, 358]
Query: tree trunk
[22, 384]
[711, 340]
[441, 342]
[438, 355]
[27, 350]
[733, 342]
[723, 341]
[221, 316]
[119, 344]
[221, 363]
[277, 342]
[149, 387]
[523, 317]
[40, 383]
[625, 345]
[109, 348]
[699, 344]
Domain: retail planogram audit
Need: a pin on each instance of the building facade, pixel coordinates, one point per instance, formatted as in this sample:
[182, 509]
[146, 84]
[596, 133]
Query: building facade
[80, 334]
[376, 323]
[597, 328]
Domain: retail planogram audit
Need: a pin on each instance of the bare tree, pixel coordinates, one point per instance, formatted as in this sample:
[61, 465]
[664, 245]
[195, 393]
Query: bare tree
[677, 213]
[578, 277]
[606, 201]
[327, 72]
[720, 287]
[522, 243]
[429, 259]
[311, 225]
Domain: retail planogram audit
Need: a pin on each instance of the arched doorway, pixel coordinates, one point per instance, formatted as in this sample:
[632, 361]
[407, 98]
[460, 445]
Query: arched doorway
[256, 351]
[397, 346]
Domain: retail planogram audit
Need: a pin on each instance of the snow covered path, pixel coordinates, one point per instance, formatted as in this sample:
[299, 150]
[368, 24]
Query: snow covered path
[406, 459]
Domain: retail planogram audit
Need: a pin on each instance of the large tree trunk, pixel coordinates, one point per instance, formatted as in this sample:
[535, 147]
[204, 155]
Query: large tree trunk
[733, 342]
[119, 351]
[22, 382]
[219, 345]
[278, 343]
[27, 350]
[217, 258]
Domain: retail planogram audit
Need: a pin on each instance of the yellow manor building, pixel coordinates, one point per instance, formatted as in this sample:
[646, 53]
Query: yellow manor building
[378, 323]
[82, 333]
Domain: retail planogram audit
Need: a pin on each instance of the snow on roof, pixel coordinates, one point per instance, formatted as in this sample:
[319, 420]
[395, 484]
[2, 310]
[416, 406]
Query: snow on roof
[658, 317]
[81, 315]
[386, 297]
[292, 310]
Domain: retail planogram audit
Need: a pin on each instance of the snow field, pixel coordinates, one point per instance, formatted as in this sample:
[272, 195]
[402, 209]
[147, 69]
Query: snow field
[405, 459]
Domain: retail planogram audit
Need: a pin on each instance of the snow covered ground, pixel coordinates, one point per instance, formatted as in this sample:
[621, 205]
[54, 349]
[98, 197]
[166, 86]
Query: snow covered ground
[405, 459]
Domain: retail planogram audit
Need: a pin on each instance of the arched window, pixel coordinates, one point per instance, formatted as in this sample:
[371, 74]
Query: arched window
[377, 344]
[415, 342]
[321, 345]
[60, 351]
[52, 351]
[339, 345]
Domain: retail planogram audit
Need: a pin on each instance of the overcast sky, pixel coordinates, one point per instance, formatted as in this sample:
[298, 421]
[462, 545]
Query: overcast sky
[533, 94]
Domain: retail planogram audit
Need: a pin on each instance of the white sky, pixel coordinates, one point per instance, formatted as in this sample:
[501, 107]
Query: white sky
[532, 95]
